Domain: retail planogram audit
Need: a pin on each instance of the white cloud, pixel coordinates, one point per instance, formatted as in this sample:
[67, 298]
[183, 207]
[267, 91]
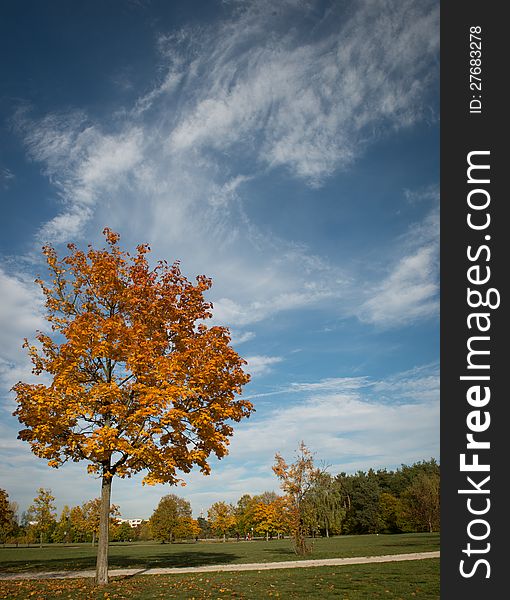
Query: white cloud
[245, 87]
[260, 365]
[84, 164]
[321, 101]
[409, 293]
[375, 423]
[418, 384]
[337, 384]
[222, 195]
[235, 313]
[427, 194]
[239, 337]
[20, 317]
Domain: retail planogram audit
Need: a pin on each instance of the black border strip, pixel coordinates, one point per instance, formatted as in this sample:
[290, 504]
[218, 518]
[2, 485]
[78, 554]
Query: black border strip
[463, 132]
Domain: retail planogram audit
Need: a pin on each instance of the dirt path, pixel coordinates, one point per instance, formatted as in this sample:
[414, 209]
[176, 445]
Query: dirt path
[293, 564]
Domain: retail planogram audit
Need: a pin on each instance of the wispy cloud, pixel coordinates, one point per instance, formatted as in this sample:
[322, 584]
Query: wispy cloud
[308, 99]
[83, 163]
[20, 316]
[239, 337]
[363, 417]
[321, 99]
[329, 384]
[259, 364]
[409, 293]
[428, 194]
[7, 177]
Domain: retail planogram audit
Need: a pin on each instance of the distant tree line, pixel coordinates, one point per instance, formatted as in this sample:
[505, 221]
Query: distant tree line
[39, 524]
[382, 501]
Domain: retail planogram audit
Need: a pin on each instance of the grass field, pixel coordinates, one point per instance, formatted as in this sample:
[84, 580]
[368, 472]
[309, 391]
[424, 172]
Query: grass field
[146, 555]
[400, 580]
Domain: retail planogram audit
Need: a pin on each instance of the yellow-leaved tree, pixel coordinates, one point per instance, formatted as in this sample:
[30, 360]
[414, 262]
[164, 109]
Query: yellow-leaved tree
[297, 480]
[222, 518]
[138, 381]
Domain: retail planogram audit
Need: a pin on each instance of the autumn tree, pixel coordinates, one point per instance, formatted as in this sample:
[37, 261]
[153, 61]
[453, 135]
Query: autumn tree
[122, 532]
[7, 517]
[42, 514]
[62, 532]
[137, 379]
[143, 531]
[297, 480]
[91, 516]
[221, 517]
[79, 526]
[270, 515]
[167, 517]
[243, 514]
[187, 529]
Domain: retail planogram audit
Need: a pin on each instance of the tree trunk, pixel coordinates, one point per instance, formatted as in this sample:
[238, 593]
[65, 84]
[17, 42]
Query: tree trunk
[40, 540]
[93, 538]
[104, 518]
[327, 532]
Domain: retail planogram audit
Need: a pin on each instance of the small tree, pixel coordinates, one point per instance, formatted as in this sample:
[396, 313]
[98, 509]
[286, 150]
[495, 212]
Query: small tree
[270, 517]
[122, 532]
[297, 479]
[143, 531]
[243, 513]
[91, 512]
[62, 532]
[42, 514]
[390, 509]
[138, 381]
[205, 528]
[79, 525]
[325, 500]
[167, 517]
[8, 523]
[187, 529]
[221, 516]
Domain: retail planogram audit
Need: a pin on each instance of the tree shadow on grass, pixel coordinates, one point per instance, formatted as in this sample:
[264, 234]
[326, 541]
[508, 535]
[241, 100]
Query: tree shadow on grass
[283, 552]
[179, 559]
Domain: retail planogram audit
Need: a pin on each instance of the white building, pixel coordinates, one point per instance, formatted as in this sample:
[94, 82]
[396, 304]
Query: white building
[132, 522]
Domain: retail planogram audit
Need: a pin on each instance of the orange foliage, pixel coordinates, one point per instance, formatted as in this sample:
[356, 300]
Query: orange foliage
[187, 528]
[221, 517]
[296, 480]
[138, 381]
[272, 517]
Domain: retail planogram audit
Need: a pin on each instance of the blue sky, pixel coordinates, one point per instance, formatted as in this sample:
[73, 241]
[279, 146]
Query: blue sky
[291, 154]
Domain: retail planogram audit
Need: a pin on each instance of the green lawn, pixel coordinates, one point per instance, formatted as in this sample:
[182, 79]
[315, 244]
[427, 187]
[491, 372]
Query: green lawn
[399, 581]
[146, 555]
